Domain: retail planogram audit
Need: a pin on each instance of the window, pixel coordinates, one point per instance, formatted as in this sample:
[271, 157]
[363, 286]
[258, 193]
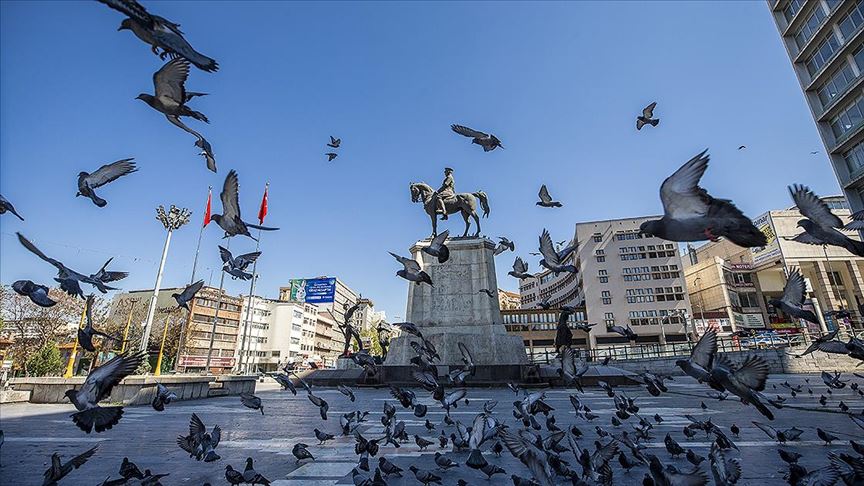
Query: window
[855, 158]
[607, 301]
[822, 54]
[851, 21]
[858, 55]
[602, 273]
[605, 293]
[849, 118]
[835, 279]
[600, 252]
[597, 237]
[810, 26]
[834, 86]
[601, 259]
[604, 279]
[792, 9]
[748, 299]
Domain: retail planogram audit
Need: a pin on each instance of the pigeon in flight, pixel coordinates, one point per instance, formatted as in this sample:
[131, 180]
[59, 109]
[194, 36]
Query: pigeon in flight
[334, 142]
[251, 401]
[820, 224]
[97, 387]
[200, 444]
[5, 205]
[546, 200]
[691, 214]
[520, 269]
[503, 245]
[743, 381]
[162, 397]
[331, 156]
[347, 392]
[647, 117]
[623, 331]
[236, 266]
[699, 364]
[38, 294]
[58, 470]
[230, 220]
[437, 248]
[201, 142]
[106, 276]
[411, 270]
[159, 33]
[183, 298]
[86, 333]
[67, 277]
[87, 182]
[488, 292]
[793, 298]
[169, 86]
[857, 223]
[487, 141]
[742, 147]
[551, 259]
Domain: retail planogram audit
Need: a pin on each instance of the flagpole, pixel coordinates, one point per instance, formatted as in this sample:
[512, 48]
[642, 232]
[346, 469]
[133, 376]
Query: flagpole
[261, 213]
[216, 315]
[180, 342]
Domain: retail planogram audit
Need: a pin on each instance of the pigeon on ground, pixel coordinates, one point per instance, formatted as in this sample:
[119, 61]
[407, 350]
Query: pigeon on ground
[159, 33]
[331, 156]
[183, 298]
[322, 436]
[487, 141]
[334, 142]
[38, 294]
[230, 221]
[58, 470]
[69, 279]
[691, 214]
[388, 468]
[673, 447]
[233, 476]
[162, 397]
[86, 333]
[87, 182]
[411, 271]
[236, 266]
[437, 248]
[551, 260]
[422, 443]
[5, 205]
[520, 269]
[735, 430]
[827, 437]
[129, 470]
[744, 381]
[503, 245]
[546, 200]
[97, 387]
[699, 364]
[424, 476]
[647, 117]
[199, 443]
[251, 401]
[251, 476]
[819, 223]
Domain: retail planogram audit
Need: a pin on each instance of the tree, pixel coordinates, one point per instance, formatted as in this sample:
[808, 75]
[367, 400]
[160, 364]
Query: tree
[32, 327]
[372, 334]
[45, 361]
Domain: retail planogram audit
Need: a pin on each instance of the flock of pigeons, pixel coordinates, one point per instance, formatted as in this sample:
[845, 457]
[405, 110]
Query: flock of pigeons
[690, 214]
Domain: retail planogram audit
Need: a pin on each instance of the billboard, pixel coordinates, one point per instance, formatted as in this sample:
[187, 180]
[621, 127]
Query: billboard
[312, 290]
[771, 251]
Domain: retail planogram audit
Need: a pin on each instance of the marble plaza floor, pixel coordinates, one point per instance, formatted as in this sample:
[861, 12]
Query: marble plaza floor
[33, 432]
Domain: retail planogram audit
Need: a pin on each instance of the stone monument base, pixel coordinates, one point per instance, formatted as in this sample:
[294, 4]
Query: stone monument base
[487, 347]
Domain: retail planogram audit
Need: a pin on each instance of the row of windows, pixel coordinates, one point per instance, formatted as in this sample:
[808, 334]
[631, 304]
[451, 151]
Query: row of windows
[855, 158]
[212, 304]
[218, 336]
[836, 84]
[642, 256]
[640, 299]
[203, 352]
[628, 235]
[849, 118]
[852, 20]
[849, 24]
[219, 320]
[792, 9]
[653, 321]
[652, 276]
[810, 26]
[744, 299]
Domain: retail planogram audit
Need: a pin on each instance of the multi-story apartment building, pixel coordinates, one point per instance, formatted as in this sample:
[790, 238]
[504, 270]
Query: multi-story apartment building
[624, 278]
[825, 43]
[537, 328]
[726, 296]
[508, 300]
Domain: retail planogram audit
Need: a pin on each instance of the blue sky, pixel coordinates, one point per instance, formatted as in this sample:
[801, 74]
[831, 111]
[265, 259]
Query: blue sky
[560, 83]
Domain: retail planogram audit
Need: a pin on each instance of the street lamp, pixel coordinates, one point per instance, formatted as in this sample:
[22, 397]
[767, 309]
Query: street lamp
[172, 220]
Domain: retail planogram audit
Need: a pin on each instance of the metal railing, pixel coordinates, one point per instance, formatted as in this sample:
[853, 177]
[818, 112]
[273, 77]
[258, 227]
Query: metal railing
[673, 350]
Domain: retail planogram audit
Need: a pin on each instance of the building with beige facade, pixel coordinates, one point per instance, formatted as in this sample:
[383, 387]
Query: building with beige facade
[509, 300]
[537, 328]
[624, 279]
[833, 275]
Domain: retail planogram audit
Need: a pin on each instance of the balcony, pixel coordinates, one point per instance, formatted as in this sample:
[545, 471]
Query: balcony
[816, 79]
[842, 142]
[853, 87]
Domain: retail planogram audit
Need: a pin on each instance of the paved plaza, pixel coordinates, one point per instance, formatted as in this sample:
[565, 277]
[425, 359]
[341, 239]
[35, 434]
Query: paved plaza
[33, 432]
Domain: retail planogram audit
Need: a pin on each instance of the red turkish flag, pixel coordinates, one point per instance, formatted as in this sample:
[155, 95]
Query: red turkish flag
[207, 211]
[262, 212]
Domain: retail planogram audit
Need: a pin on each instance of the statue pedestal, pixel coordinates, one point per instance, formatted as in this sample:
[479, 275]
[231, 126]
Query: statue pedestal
[455, 310]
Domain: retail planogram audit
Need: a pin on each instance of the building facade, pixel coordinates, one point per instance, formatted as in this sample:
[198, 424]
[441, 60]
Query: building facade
[509, 300]
[537, 328]
[833, 275]
[725, 296]
[825, 43]
[624, 279]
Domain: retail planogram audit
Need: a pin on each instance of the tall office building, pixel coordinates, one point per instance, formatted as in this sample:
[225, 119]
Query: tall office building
[624, 279]
[826, 47]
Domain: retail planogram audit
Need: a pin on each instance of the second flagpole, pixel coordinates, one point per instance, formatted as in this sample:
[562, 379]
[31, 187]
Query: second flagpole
[184, 322]
[242, 363]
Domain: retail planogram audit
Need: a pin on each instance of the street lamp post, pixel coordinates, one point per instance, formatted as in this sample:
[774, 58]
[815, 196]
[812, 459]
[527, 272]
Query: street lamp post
[172, 220]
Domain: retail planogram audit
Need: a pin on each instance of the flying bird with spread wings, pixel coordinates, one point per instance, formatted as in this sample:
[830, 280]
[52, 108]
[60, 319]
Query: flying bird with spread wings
[411, 270]
[236, 266]
[67, 278]
[647, 117]
[546, 200]
[821, 226]
[488, 141]
[87, 182]
[230, 220]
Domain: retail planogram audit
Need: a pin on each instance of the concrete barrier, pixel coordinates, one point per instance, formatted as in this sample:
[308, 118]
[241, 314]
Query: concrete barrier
[136, 390]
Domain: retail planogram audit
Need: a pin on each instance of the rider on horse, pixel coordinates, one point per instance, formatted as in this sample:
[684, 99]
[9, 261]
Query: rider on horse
[445, 193]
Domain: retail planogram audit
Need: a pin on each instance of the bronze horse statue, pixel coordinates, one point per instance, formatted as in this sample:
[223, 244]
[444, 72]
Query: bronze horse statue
[463, 202]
